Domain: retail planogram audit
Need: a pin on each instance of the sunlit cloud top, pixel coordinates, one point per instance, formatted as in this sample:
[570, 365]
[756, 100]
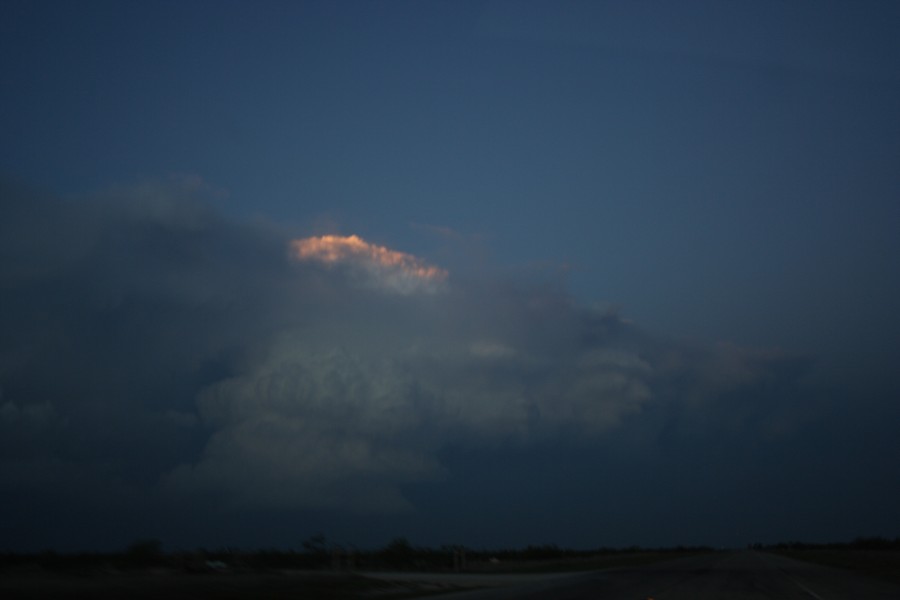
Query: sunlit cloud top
[390, 269]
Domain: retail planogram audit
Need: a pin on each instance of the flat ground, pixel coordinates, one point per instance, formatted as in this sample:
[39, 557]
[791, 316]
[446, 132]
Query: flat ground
[173, 584]
[883, 564]
[720, 575]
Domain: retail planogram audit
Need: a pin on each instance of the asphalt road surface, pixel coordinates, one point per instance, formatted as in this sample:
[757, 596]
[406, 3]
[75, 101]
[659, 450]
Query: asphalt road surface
[721, 576]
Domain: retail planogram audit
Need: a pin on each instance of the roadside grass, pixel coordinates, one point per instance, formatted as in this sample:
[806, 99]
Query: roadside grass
[883, 564]
[218, 586]
[587, 563]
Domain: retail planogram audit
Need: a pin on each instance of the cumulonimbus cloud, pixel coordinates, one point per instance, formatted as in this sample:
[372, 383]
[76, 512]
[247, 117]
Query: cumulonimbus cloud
[322, 372]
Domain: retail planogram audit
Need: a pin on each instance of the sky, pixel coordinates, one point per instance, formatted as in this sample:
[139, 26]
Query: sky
[483, 273]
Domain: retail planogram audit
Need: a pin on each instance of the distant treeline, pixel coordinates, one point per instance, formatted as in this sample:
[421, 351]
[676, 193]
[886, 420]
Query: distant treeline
[861, 543]
[316, 554]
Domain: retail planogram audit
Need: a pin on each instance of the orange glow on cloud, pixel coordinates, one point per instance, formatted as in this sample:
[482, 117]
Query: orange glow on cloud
[391, 264]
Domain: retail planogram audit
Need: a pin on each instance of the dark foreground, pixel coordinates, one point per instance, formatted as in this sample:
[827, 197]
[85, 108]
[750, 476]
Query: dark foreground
[183, 586]
[722, 576]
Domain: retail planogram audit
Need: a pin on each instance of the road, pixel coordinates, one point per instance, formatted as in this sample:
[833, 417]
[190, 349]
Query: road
[722, 576]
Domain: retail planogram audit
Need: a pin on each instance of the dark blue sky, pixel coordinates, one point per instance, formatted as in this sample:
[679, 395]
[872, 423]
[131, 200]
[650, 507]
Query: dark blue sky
[663, 242]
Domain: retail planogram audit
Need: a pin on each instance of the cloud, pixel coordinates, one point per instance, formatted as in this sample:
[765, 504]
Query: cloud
[229, 360]
[491, 350]
[347, 421]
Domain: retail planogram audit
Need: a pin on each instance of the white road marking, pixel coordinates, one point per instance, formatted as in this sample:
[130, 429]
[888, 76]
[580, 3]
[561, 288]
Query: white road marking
[805, 589]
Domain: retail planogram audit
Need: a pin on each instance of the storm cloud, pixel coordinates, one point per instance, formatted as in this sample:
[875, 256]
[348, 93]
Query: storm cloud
[469, 273]
[153, 345]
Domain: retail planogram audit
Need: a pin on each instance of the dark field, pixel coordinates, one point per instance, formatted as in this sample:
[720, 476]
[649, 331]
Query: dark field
[177, 586]
[33, 580]
[883, 564]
